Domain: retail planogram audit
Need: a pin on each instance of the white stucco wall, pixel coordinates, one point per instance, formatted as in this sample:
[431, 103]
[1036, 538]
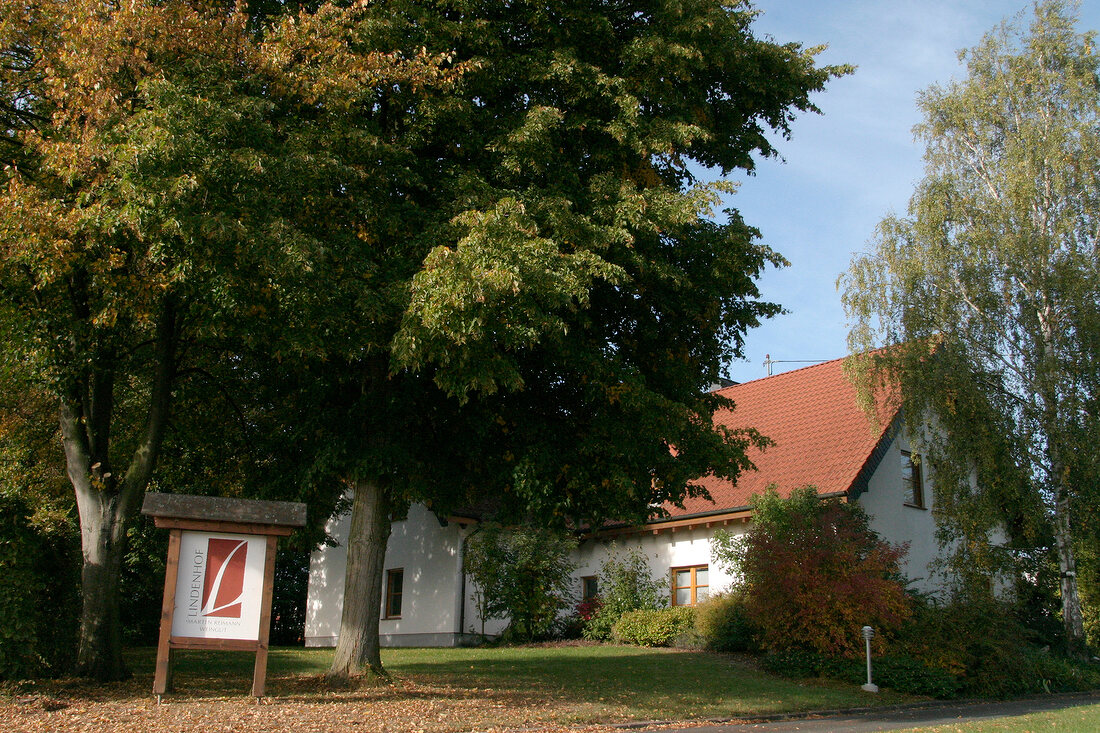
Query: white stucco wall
[430, 556]
[896, 521]
[663, 551]
[438, 605]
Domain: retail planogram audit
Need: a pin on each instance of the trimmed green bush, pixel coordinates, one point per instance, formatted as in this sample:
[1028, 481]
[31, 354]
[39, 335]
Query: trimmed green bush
[722, 622]
[654, 627]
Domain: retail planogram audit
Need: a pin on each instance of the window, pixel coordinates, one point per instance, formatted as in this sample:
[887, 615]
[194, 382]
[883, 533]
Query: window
[690, 585]
[394, 580]
[590, 587]
[912, 483]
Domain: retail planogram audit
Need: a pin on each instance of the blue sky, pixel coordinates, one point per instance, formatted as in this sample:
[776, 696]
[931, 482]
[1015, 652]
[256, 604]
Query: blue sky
[847, 168]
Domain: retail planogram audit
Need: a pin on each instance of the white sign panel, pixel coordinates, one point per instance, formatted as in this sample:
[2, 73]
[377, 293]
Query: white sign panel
[219, 586]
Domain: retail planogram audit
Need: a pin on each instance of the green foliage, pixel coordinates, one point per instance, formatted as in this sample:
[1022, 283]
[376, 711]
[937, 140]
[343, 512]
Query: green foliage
[167, 196]
[898, 673]
[625, 585]
[987, 296]
[288, 603]
[976, 639]
[722, 621]
[654, 626]
[813, 574]
[981, 645]
[913, 677]
[389, 225]
[523, 575]
[793, 662]
[38, 608]
[141, 587]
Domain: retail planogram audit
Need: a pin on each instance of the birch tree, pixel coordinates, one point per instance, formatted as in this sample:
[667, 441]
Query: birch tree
[988, 292]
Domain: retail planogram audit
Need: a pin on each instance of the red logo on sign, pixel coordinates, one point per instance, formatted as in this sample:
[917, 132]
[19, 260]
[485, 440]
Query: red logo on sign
[223, 588]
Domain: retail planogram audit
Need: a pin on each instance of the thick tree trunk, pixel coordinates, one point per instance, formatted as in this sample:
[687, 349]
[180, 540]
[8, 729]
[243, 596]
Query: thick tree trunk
[357, 649]
[106, 502]
[102, 535]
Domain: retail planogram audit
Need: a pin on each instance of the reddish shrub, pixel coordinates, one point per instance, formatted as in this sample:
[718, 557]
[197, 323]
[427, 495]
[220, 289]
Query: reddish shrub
[815, 574]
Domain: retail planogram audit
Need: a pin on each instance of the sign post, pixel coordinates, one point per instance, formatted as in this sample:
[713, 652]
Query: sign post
[219, 577]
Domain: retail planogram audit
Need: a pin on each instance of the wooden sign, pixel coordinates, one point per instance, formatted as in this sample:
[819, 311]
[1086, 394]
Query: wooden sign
[219, 576]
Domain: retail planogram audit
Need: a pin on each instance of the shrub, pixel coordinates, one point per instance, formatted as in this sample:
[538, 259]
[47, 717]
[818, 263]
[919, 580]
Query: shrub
[913, 677]
[654, 627]
[523, 575]
[625, 585]
[39, 605]
[978, 641]
[1055, 673]
[901, 674]
[975, 639]
[722, 622]
[814, 573]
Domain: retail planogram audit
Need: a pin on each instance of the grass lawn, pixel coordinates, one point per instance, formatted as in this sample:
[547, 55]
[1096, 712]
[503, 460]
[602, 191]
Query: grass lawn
[430, 690]
[1083, 718]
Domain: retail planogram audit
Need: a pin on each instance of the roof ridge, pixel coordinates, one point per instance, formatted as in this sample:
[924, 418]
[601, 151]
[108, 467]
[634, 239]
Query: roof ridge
[782, 374]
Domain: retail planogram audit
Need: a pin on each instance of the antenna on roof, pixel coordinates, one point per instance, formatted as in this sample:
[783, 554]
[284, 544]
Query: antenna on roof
[768, 361]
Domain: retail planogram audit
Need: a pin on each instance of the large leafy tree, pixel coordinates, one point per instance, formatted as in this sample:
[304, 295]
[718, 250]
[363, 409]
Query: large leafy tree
[562, 298]
[168, 175]
[988, 292]
[445, 250]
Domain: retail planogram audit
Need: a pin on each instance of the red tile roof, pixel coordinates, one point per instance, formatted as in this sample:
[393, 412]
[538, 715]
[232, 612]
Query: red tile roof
[821, 434]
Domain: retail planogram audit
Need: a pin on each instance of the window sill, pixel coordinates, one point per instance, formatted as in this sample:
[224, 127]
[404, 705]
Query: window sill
[915, 506]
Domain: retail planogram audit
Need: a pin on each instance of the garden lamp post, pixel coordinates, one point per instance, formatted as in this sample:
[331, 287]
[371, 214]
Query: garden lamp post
[868, 634]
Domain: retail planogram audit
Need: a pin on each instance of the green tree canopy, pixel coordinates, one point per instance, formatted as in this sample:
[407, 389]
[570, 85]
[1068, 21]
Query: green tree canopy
[444, 250]
[988, 292]
[566, 287]
[168, 177]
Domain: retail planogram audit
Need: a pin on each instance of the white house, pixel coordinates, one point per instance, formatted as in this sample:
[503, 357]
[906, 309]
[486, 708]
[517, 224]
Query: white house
[821, 437]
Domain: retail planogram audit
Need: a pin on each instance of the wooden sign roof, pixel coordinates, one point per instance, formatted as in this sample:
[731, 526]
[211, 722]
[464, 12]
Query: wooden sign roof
[222, 509]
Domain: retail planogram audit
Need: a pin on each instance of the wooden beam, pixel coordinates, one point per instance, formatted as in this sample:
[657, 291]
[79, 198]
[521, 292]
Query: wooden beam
[206, 525]
[225, 645]
[162, 680]
[224, 509]
[259, 673]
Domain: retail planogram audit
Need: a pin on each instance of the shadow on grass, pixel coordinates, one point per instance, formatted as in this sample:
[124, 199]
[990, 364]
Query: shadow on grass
[660, 682]
[585, 683]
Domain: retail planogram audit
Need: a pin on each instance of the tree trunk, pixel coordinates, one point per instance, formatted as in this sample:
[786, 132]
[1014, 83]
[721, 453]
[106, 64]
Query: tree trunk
[357, 649]
[1067, 566]
[1056, 451]
[102, 533]
[106, 502]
